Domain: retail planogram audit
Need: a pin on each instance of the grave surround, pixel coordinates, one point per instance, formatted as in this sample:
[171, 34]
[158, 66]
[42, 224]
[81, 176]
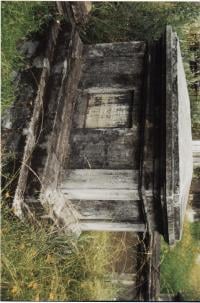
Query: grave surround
[115, 146]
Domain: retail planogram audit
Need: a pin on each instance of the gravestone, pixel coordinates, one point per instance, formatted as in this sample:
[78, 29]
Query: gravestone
[109, 142]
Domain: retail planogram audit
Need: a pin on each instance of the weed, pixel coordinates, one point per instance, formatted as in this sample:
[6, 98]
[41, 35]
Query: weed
[179, 271]
[19, 19]
[40, 265]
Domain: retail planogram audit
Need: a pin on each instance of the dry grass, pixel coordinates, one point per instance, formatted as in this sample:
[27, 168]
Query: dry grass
[40, 265]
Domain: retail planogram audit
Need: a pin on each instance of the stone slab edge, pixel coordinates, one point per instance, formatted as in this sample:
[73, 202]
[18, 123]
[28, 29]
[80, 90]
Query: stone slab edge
[34, 128]
[178, 129]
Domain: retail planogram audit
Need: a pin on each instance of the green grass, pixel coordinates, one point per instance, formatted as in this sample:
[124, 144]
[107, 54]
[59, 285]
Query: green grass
[19, 19]
[38, 264]
[125, 21]
[195, 231]
[179, 270]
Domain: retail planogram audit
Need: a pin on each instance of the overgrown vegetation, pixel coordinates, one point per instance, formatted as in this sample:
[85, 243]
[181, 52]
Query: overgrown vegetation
[124, 21]
[179, 267]
[19, 19]
[40, 265]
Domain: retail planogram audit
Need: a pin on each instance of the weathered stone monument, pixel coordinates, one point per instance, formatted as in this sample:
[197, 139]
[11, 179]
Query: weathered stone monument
[108, 146]
[102, 139]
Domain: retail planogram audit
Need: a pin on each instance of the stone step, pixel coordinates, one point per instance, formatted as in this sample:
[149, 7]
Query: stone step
[112, 226]
[116, 49]
[99, 179]
[118, 210]
[101, 194]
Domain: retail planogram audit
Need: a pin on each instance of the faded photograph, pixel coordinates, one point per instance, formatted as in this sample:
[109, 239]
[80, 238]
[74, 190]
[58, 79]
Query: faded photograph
[100, 145]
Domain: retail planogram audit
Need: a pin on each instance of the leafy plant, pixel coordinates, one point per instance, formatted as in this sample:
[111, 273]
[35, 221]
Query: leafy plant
[179, 271]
